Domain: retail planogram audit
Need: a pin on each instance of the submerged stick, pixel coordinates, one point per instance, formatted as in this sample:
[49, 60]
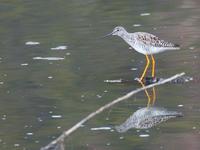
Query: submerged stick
[91, 115]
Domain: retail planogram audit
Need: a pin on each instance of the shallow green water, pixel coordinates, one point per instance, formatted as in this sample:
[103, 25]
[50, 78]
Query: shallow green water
[32, 91]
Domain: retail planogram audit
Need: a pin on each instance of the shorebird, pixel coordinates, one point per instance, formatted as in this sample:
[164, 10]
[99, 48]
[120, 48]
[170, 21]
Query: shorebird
[144, 43]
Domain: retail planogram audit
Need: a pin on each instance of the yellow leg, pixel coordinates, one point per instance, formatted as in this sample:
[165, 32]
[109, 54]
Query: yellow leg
[154, 95]
[147, 94]
[146, 67]
[153, 67]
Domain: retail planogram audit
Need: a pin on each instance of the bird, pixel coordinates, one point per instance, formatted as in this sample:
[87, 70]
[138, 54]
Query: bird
[146, 44]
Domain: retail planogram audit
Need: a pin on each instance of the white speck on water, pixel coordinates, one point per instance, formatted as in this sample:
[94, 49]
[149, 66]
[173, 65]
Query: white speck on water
[39, 119]
[4, 117]
[113, 81]
[137, 130]
[137, 25]
[37, 141]
[48, 58]
[58, 127]
[16, 145]
[194, 128]
[24, 64]
[192, 47]
[59, 48]
[100, 128]
[29, 133]
[99, 96]
[56, 116]
[133, 69]
[1, 82]
[32, 43]
[105, 91]
[68, 54]
[50, 77]
[180, 105]
[112, 130]
[108, 144]
[145, 14]
[121, 137]
[82, 96]
[144, 135]
[50, 112]
[161, 147]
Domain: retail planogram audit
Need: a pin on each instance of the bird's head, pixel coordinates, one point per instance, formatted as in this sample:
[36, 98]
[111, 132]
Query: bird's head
[117, 31]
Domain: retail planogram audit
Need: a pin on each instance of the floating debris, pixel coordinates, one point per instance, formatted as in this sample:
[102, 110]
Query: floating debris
[24, 64]
[29, 133]
[50, 77]
[113, 81]
[48, 58]
[144, 135]
[133, 69]
[59, 48]
[56, 116]
[108, 144]
[68, 54]
[32, 43]
[137, 25]
[147, 117]
[192, 47]
[100, 128]
[180, 105]
[99, 96]
[145, 14]
[4, 117]
[16, 145]
[194, 128]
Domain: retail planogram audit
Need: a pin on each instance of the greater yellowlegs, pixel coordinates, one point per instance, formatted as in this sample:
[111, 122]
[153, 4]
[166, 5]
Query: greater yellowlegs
[145, 43]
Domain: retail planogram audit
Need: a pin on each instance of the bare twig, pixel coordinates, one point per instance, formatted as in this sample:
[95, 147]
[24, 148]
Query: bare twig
[128, 95]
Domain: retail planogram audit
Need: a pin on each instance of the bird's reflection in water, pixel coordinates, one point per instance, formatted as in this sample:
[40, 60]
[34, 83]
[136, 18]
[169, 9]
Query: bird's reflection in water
[149, 116]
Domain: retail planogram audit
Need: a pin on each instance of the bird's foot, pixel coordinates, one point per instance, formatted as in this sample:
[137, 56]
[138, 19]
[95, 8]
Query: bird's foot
[147, 80]
[138, 79]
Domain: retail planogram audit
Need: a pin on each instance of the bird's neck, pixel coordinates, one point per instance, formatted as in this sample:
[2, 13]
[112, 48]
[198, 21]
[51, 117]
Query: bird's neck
[127, 37]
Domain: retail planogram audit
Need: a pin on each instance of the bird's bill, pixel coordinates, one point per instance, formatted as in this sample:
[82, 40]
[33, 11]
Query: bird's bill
[109, 34]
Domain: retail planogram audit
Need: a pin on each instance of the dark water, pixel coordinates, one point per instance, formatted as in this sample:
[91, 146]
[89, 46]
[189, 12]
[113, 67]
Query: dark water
[32, 91]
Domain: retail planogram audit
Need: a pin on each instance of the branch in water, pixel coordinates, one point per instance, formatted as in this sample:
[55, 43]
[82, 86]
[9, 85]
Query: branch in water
[55, 143]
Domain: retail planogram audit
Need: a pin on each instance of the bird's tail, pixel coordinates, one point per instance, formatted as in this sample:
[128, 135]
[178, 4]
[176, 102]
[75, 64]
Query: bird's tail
[175, 47]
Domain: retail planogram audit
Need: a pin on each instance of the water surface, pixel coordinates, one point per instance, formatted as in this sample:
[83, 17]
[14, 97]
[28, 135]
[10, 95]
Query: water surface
[41, 98]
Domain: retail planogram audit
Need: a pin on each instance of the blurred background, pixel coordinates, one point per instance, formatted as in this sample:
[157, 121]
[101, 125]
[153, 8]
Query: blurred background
[45, 91]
